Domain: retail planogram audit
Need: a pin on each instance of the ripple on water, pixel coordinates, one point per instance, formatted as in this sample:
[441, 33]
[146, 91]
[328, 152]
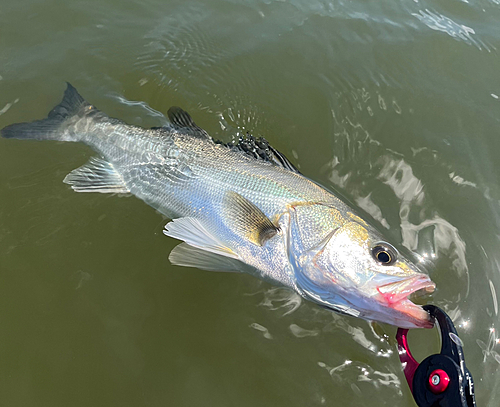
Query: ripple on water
[488, 349]
[460, 32]
[354, 371]
[281, 299]
[263, 329]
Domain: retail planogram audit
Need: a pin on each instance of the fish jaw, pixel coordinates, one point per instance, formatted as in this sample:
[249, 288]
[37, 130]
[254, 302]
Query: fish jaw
[417, 317]
[387, 302]
[394, 295]
[383, 298]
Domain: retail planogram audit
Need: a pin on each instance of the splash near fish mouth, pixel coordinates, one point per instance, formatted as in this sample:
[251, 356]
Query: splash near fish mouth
[396, 296]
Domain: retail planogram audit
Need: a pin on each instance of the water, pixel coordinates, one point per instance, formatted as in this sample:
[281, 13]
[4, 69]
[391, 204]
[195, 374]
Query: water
[394, 105]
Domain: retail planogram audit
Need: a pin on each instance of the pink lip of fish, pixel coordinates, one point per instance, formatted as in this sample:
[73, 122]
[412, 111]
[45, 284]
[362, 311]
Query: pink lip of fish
[395, 295]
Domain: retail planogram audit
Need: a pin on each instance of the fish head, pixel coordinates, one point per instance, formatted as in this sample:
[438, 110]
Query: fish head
[344, 264]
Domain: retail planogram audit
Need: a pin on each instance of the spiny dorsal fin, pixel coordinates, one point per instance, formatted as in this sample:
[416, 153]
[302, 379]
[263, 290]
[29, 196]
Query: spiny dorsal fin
[260, 149]
[247, 220]
[96, 176]
[181, 120]
[280, 160]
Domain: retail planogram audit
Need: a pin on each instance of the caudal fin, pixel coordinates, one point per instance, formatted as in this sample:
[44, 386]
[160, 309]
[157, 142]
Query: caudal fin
[53, 128]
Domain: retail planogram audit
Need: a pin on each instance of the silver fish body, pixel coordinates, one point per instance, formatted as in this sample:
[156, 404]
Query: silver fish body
[236, 212]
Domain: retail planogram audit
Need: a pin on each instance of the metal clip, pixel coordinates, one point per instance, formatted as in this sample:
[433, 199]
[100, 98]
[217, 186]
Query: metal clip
[441, 379]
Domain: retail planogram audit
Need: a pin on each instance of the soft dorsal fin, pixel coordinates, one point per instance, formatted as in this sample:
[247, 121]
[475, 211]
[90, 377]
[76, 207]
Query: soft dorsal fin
[247, 220]
[181, 120]
[97, 175]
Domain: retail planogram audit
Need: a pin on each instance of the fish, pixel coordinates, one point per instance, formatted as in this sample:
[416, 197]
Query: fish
[241, 207]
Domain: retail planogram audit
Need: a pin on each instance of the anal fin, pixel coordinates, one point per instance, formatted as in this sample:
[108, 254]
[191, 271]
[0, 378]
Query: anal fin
[192, 231]
[97, 175]
[189, 256]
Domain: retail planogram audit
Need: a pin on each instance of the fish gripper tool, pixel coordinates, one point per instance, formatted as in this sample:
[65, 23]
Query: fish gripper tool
[440, 380]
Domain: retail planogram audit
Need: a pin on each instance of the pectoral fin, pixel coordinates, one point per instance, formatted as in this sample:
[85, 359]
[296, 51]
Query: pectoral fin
[247, 220]
[96, 176]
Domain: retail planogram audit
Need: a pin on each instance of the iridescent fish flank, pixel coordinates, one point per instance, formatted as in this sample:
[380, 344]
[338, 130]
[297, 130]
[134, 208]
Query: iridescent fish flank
[240, 207]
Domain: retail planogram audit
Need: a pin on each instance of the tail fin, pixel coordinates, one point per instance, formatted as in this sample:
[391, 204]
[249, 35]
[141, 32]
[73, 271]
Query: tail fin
[52, 128]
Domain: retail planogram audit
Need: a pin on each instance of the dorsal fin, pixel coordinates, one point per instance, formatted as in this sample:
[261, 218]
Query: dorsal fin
[181, 120]
[260, 149]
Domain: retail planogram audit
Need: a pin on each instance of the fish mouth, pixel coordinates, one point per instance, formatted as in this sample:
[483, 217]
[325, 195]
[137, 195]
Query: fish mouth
[395, 295]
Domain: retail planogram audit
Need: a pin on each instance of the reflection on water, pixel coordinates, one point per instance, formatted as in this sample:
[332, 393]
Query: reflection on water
[281, 299]
[351, 372]
[442, 23]
[263, 329]
[487, 348]
[301, 332]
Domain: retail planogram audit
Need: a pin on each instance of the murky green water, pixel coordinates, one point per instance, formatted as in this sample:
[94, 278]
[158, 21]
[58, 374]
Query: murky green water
[396, 105]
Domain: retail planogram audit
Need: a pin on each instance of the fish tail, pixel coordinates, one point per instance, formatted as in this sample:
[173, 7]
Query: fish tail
[57, 125]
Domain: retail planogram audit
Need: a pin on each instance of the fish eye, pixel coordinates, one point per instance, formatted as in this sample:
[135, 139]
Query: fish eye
[385, 254]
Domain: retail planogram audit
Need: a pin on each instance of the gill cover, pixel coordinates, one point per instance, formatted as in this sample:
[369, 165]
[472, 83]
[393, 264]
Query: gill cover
[309, 234]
